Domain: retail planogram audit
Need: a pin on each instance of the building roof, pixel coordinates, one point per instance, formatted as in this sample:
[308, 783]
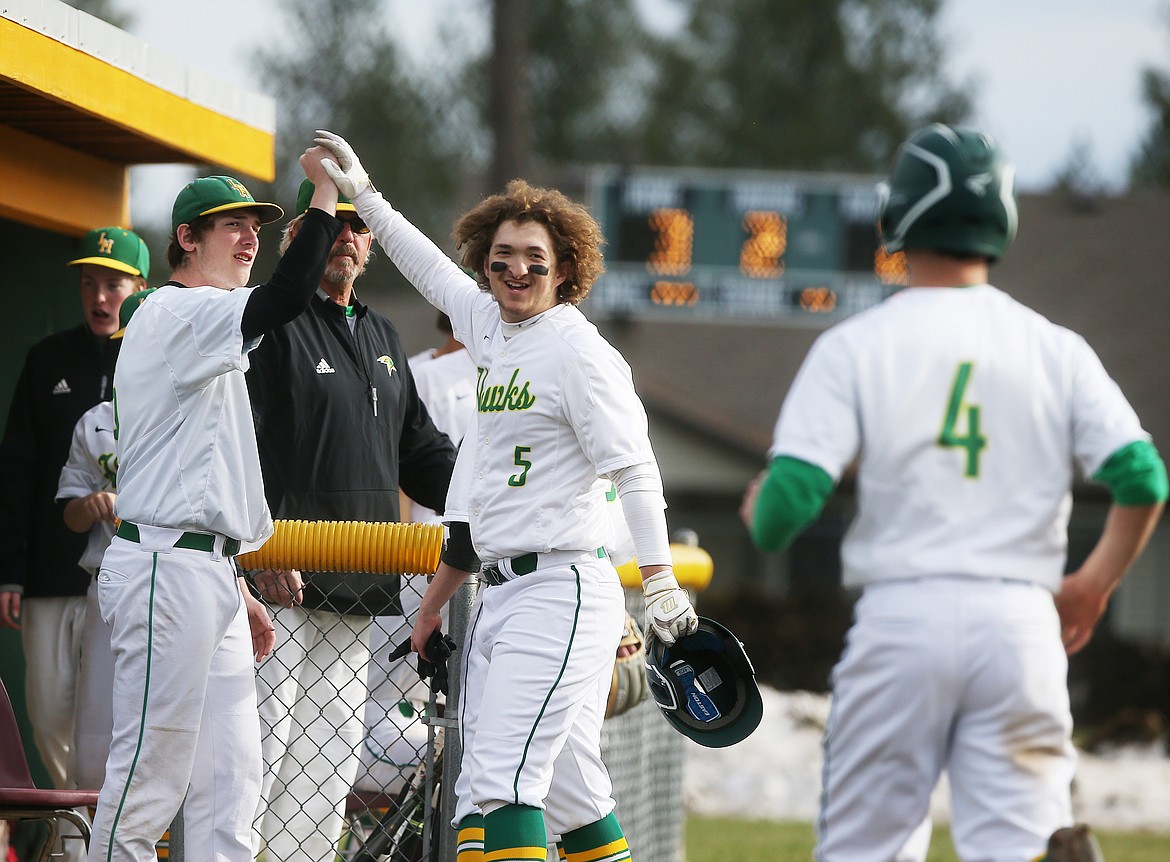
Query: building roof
[80, 100]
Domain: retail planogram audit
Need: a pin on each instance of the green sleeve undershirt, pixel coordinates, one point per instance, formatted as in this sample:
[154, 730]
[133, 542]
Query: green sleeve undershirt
[1135, 475]
[791, 497]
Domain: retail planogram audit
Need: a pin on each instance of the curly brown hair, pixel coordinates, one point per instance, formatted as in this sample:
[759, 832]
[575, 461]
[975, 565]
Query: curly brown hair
[576, 237]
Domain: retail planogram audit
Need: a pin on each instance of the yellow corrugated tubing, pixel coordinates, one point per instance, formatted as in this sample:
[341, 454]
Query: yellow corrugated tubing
[350, 546]
[409, 549]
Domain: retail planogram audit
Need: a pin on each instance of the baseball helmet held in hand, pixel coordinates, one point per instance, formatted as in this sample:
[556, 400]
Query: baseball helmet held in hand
[705, 685]
[951, 190]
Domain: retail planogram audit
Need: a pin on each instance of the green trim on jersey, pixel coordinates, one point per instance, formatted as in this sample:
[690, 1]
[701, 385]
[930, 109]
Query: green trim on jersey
[1135, 475]
[791, 498]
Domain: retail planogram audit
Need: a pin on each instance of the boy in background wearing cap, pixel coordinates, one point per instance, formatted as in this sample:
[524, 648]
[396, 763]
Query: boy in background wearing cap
[190, 497]
[340, 427]
[85, 494]
[42, 587]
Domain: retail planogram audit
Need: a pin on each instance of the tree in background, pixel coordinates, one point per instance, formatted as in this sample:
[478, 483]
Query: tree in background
[339, 68]
[586, 66]
[108, 10]
[590, 63]
[1151, 164]
[797, 84]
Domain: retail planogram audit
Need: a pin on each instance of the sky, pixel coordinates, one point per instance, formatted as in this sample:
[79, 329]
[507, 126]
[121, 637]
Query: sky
[1049, 75]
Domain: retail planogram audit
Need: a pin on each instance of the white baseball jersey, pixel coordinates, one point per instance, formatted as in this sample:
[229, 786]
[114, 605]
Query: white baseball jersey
[556, 408]
[967, 462]
[446, 385]
[92, 466]
[187, 453]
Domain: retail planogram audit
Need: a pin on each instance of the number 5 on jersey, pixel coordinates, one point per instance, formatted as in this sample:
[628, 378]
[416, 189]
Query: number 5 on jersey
[518, 479]
[960, 412]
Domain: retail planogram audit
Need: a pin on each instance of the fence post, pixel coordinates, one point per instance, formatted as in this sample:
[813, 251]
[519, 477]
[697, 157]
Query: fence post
[175, 851]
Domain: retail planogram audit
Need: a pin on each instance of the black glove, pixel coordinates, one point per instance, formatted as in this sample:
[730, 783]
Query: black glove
[439, 648]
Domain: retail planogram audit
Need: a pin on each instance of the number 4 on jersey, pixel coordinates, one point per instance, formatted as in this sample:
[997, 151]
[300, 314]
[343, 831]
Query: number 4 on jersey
[957, 409]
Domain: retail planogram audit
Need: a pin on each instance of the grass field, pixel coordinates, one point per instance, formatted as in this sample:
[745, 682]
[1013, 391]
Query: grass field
[719, 839]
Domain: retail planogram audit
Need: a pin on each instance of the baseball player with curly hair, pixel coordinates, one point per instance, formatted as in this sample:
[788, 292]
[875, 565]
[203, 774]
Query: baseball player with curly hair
[184, 627]
[966, 412]
[556, 410]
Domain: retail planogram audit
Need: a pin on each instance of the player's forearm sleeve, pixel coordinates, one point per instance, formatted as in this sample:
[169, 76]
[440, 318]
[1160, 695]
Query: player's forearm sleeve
[1135, 475]
[791, 497]
[458, 552]
[639, 486]
[297, 275]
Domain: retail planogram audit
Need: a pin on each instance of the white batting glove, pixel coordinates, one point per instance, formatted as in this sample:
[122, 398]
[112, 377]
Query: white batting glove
[347, 174]
[669, 612]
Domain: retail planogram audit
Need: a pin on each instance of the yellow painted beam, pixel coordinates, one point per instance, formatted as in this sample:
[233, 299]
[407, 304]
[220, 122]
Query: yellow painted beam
[196, 133]
[60, 189]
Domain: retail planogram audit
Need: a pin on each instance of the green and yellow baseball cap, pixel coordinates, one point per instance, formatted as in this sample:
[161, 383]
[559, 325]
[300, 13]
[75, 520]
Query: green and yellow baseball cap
[115, 248]
[208, 195]
[305, 196]
[129, 306]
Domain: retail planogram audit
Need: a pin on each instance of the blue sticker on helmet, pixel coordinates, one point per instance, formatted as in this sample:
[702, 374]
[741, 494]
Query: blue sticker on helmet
[699, 705]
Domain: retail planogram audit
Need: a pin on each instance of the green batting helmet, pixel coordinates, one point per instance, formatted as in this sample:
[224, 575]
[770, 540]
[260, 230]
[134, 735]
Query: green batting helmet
[951, 190]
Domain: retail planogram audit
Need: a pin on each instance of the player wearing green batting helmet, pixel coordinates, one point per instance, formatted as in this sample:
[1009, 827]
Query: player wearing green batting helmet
[951, 190]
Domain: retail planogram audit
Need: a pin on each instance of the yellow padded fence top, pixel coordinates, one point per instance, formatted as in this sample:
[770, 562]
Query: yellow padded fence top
[350, 546]
[410, 549]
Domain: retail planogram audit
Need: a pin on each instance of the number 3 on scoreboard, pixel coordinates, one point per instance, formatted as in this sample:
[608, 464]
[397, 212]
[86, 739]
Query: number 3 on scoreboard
[973, 441]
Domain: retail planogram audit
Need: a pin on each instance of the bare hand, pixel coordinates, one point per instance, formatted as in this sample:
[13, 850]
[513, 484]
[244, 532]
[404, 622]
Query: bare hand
[10, 609]
[1080, 605]
[263, 632]
[747, 509]
[280, 587]
[99, 506]
[424, 625]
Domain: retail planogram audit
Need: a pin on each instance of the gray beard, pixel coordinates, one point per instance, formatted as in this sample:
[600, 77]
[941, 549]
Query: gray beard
[338, 272]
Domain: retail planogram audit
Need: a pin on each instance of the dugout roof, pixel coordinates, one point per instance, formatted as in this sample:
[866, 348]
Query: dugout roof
[81, 101]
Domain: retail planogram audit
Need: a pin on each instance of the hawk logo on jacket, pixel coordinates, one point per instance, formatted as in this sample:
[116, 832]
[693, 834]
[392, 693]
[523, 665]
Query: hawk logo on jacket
[495, 399]
[388, 362]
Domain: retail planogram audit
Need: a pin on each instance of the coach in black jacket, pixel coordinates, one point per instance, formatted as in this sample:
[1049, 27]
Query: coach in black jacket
[340, 428]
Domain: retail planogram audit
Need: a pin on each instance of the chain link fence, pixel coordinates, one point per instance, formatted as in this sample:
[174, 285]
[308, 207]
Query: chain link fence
[344, 734]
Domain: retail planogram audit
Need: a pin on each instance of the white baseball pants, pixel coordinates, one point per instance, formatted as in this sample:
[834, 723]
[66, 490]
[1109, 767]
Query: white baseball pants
[184, 706]
[962, 674]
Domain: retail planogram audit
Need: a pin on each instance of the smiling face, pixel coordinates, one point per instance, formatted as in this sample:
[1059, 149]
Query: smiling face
[223, 256]
[102, 292]
[520, 291]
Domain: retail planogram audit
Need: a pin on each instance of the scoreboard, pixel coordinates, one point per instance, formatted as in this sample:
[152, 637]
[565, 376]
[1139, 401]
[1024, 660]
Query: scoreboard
[720, 244]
